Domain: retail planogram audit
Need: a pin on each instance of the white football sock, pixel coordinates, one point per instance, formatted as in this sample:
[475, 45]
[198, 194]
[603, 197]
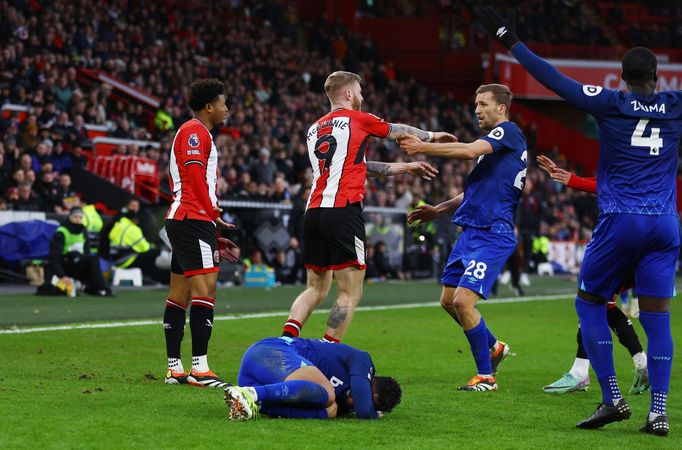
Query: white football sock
[200, 363]
[640, 360]
[175, 364]
[581, 368]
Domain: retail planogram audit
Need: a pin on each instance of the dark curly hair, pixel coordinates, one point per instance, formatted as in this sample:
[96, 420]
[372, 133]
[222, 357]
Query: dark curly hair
[202, 92]
[388, 392]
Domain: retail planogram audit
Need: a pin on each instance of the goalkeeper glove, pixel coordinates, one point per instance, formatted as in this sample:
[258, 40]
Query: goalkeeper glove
[499, 28]
[225, 247]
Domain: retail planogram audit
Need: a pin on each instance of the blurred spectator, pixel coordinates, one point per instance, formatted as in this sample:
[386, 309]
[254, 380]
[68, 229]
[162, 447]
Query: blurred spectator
[27, 199]
[263, 170]
[127, 247]
[384, 268]
[47, 188]
[70, 258]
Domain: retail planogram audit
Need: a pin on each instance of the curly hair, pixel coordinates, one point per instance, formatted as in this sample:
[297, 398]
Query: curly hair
[388, 392]
[204, 91]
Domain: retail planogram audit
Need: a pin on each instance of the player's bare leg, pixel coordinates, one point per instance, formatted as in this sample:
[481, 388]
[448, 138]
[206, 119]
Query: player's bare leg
[180, 290]
[314, 375]
[203, 292]
[464, 305]
[498, 349]
[319, 284]
[349, 285]
[476, 333]
[174, 317]
[654, 315]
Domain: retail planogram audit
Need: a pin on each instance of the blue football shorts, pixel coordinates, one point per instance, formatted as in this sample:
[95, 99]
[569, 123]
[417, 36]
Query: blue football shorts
[477, 259]
[627, 245]
[270, 361]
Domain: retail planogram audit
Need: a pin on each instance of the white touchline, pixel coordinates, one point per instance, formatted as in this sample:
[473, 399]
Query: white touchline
[139, 323]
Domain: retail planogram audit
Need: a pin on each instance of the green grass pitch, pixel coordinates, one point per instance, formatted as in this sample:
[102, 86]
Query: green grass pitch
[103, 388]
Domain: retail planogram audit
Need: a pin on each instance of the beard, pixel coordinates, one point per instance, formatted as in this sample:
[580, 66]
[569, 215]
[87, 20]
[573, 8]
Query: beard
[356, 104]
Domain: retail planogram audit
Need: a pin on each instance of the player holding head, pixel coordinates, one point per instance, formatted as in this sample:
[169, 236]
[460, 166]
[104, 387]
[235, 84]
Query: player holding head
[333, 227]
[486, 215]
[577, 379]
[638, 229]
[309, 379]
[191, 226]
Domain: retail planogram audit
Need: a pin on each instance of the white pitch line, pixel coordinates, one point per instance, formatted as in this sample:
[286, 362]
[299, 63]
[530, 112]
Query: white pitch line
[139, 323]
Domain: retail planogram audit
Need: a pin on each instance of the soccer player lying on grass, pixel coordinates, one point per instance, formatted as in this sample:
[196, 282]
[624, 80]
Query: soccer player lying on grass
[638, 231]
[577, 379]
[309, 379]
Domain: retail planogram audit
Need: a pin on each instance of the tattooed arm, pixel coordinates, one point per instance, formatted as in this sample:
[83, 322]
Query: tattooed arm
[399, 129]
[415, 168]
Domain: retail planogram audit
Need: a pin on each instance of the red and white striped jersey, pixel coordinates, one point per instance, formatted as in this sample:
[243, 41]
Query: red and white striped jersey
[336, 147]
[193, 173]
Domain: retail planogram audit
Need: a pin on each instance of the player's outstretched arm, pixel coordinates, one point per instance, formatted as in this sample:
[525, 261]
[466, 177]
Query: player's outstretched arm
[457, 150]
[426, 213]
[504, 30]
[567, 178]
[414, 168]
[399, 129]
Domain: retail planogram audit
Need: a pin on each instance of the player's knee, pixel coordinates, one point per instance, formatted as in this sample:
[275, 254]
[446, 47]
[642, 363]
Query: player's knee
[447, 302]
[461, 305]
[318, 293]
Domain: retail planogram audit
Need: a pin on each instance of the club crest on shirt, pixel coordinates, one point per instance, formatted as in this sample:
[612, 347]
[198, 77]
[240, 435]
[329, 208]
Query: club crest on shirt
[216, 256]
[497, 133]
[193, 140]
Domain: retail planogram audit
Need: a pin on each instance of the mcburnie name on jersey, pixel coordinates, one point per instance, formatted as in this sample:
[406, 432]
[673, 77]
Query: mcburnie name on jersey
[334, 123]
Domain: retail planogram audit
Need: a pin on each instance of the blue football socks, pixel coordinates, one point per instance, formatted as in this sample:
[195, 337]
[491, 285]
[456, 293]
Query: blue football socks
[659, 356]
[298, 392]
[478, 340]
[599, 347]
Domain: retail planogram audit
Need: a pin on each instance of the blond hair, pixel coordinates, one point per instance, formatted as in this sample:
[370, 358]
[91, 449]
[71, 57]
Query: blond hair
[339, 79]
[501, 93]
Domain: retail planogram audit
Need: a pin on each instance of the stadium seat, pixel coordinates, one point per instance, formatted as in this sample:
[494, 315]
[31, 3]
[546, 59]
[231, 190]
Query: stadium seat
[131, 276]
[545, 269]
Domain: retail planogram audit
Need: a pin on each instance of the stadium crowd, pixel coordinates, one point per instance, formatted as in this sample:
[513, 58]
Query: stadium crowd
[274, 67]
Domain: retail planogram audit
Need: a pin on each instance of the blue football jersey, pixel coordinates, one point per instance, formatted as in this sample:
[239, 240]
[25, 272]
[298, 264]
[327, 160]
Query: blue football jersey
[349, 370]
[494, 187]
[639, 138]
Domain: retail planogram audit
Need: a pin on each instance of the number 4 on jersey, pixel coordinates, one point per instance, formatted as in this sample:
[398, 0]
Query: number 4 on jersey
[653, 142]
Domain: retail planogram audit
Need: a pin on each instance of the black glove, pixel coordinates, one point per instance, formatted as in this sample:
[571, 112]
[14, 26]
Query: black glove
[504, 30]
